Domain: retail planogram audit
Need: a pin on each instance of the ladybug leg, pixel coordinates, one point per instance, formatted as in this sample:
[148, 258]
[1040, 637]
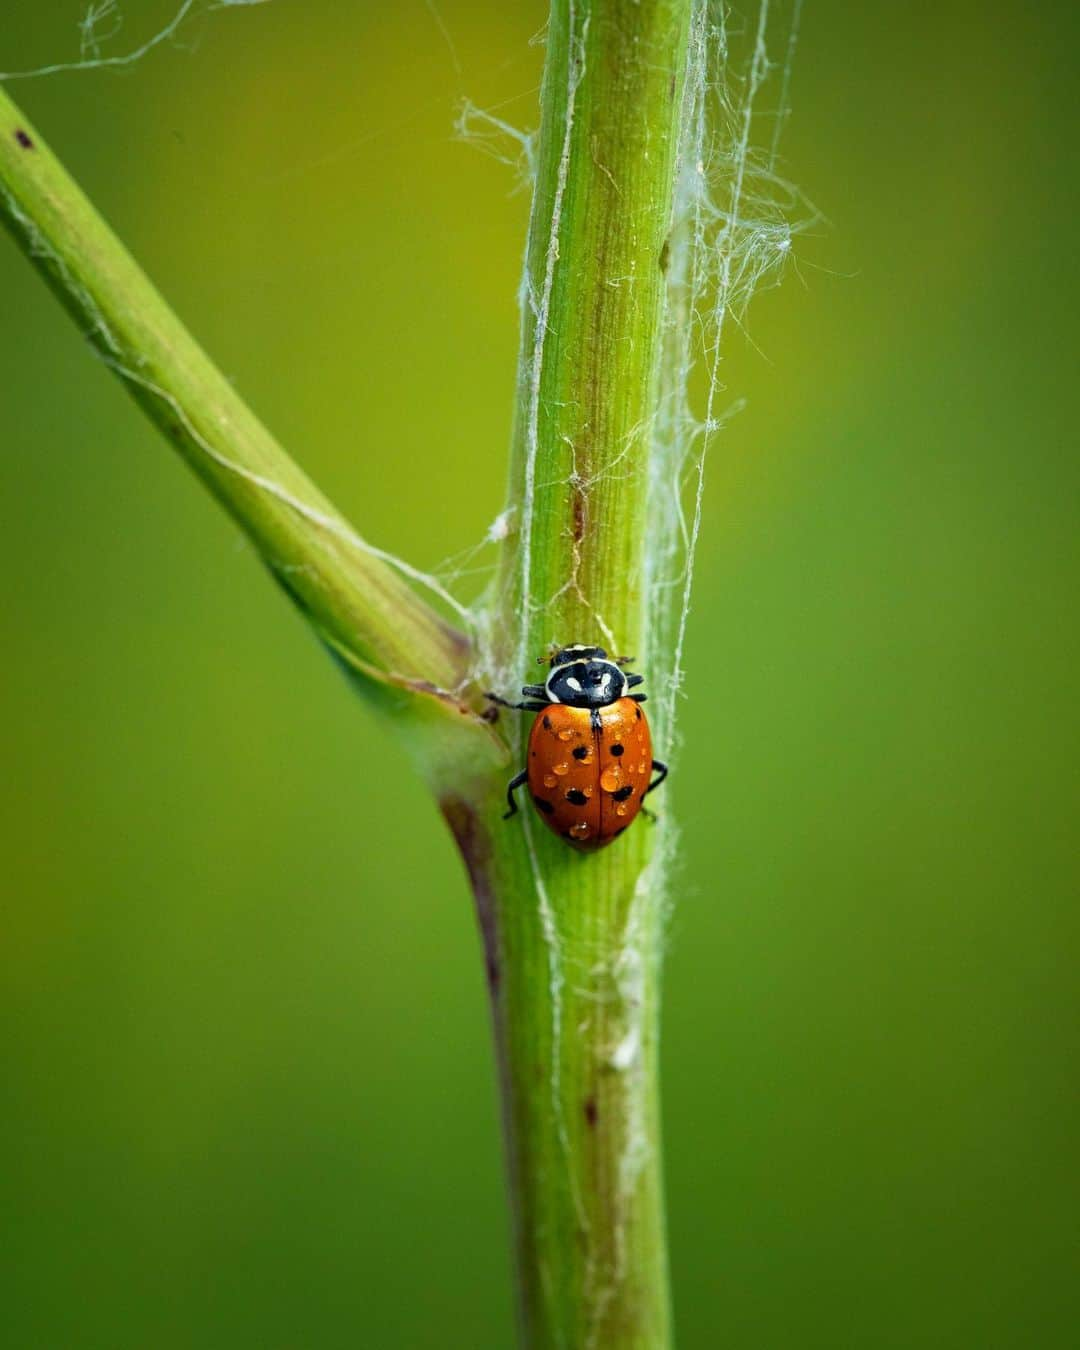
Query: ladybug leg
[632, 681]
[661, 770]
[638, 698]
[501, 702]
[530, 705]
[515, 782]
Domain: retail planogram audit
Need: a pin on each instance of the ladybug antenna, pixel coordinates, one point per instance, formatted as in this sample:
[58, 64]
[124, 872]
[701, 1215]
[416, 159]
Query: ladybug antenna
[554, 648]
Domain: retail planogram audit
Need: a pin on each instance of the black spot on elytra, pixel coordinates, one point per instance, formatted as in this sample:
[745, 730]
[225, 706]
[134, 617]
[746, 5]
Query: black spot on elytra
[590, 1112]
[623, 793]
[23, 137]
[543, 805]
[616, 749]
[578, 797]
[547, 722]
[637, 713]
[580, 751]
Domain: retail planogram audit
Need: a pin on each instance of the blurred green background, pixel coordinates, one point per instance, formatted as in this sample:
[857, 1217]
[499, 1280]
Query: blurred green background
[247, 1086]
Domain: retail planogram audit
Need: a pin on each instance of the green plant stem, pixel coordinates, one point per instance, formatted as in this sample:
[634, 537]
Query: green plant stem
[353, 597]
[574, 939]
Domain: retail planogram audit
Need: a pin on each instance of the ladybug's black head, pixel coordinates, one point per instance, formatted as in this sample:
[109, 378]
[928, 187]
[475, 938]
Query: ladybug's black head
[564, 655]
[583, 677]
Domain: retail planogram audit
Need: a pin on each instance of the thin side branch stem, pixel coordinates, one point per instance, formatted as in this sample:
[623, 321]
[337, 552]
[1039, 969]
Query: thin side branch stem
[352, 595]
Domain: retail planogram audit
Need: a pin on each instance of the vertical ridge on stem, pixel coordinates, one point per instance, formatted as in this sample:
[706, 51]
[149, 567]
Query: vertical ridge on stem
[650, 223]
[577, 1006]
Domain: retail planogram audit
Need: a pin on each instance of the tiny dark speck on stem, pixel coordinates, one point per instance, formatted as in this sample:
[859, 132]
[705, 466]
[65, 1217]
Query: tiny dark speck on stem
[23, 137]
[665, 255]
[590, 1112]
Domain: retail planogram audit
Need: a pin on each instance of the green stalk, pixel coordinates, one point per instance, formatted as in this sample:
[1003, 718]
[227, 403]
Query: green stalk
[575, 939]
[352, 596]
[572, 940]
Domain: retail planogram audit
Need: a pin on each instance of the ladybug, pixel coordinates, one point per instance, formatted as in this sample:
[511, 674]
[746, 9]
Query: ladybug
[590, 763]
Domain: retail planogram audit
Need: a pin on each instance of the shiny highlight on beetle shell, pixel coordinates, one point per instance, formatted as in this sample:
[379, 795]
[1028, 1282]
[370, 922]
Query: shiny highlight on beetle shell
[589, 769]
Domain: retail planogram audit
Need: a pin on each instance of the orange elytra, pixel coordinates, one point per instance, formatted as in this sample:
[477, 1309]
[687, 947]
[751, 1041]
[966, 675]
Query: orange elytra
[589, 761]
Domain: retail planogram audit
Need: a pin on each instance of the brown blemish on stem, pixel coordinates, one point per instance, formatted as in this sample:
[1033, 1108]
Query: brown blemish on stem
[476, 851]
[579, 515]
